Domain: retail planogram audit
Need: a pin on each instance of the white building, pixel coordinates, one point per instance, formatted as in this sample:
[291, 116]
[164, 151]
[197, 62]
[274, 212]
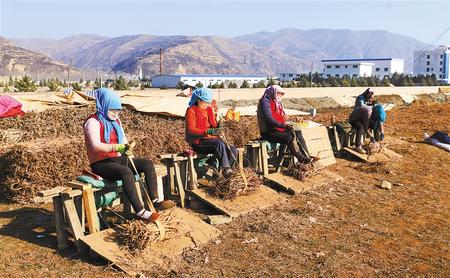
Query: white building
[378, 67]
[289, 76]
[433, 61]
[171, 81]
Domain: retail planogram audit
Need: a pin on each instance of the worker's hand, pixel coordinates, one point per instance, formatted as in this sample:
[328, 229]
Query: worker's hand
[289, 125]
[121, 148]
[129, 148]
[381, 136]
[213, 131]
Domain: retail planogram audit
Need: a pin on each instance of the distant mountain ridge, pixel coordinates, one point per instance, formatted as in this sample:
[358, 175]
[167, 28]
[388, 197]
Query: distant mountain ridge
[269, 53]
[18, 61]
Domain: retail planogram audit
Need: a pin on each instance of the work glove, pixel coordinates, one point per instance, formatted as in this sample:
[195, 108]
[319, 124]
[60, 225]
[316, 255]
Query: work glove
[213, 131]
[121, 148]
[126, 149]
[381, 136]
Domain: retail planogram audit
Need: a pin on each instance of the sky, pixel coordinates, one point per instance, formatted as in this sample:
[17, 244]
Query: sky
[421, 19]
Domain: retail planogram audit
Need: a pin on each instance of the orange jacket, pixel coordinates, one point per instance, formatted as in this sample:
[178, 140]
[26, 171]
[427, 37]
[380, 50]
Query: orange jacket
[197, 123]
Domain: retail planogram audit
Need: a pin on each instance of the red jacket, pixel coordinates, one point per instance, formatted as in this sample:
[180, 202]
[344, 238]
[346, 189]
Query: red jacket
[197, 123]
[97, 156]
[277, 116]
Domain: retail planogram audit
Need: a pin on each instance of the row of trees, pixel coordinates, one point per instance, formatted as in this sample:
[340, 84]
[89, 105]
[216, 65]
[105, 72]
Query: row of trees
[316, 80]
[26, 84]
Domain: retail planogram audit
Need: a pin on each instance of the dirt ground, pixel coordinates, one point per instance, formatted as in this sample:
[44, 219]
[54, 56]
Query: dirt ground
[347, 228]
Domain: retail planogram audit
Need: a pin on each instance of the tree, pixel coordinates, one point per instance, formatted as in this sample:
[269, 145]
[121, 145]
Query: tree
[11, 81]
[26, 84]
[97, 84]
[120, 84]
[77, 86]
[199, 84]
[245, 84]
[354, 82]
[88, 83]
[260, 84]
[232, 85]
[271, 82]
[52, 85]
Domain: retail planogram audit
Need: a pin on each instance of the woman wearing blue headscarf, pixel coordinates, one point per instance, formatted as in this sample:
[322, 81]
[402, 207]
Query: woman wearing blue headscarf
[377, 120]
[106, 143]
[202, 131]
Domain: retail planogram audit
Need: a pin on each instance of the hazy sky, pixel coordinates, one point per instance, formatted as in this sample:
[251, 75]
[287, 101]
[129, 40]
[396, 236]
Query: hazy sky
[421, 19]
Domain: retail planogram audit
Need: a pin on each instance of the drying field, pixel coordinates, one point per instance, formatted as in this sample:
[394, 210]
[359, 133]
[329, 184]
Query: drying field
[346, 228]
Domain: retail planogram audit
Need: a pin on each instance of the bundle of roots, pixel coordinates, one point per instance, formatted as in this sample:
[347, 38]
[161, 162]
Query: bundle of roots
[137, 235]
[302, 172]
[373, 148]
[234, 186]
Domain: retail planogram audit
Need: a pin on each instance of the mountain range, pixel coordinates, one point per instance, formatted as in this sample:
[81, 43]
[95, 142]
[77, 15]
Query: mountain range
[266, 53]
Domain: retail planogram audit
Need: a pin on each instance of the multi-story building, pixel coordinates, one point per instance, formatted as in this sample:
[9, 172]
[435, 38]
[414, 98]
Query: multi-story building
[433, 62]
[171, 81]
[378, 67]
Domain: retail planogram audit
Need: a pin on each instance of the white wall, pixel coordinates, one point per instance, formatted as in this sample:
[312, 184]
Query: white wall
[431, 62]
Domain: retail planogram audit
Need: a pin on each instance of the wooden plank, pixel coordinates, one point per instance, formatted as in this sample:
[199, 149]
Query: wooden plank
[314, 133]
[316, 145]
[294, 186]
[264, 197]
[78, 185]
[218, 219]
[192, 174]
[78, 200]
[191, 232]
[179, 183]
[161, 170]
[264, 159]
[74, 222]
[91, 211]
[61, 234]
[50, 192]
[71, 194]
[356, 154]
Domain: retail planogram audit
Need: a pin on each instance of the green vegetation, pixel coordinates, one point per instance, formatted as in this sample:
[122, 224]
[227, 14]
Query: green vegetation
[26, 84]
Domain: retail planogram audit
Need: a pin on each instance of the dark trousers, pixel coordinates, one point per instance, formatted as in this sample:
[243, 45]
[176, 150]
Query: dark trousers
[359, 132]
[120, 168]
[376, 127]
[217, 147]
[286, 137]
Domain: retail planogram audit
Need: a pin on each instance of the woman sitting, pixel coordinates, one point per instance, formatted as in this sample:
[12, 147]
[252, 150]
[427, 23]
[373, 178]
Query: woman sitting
[273, 126]
[202, 131]
[106, 143]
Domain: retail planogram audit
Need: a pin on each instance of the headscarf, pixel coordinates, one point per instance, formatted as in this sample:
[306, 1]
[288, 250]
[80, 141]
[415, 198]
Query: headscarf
[271, 94]
[107, 100]
[367, 94]
[204, 94]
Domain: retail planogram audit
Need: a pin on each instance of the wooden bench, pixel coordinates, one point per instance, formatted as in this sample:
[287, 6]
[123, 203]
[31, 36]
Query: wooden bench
[181, 173]
[78, 205]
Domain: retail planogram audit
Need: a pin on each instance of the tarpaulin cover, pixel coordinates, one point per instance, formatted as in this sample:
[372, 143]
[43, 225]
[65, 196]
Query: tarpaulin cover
[10, 107]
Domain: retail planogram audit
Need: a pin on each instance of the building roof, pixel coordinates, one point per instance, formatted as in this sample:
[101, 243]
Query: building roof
[361, 60]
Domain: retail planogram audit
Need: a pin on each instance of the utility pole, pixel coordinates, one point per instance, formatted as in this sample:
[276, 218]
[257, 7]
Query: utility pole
[68, 73]
[310, 74]
[160, 61]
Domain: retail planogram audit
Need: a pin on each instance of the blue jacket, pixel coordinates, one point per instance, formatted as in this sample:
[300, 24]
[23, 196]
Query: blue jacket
[266, 121]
